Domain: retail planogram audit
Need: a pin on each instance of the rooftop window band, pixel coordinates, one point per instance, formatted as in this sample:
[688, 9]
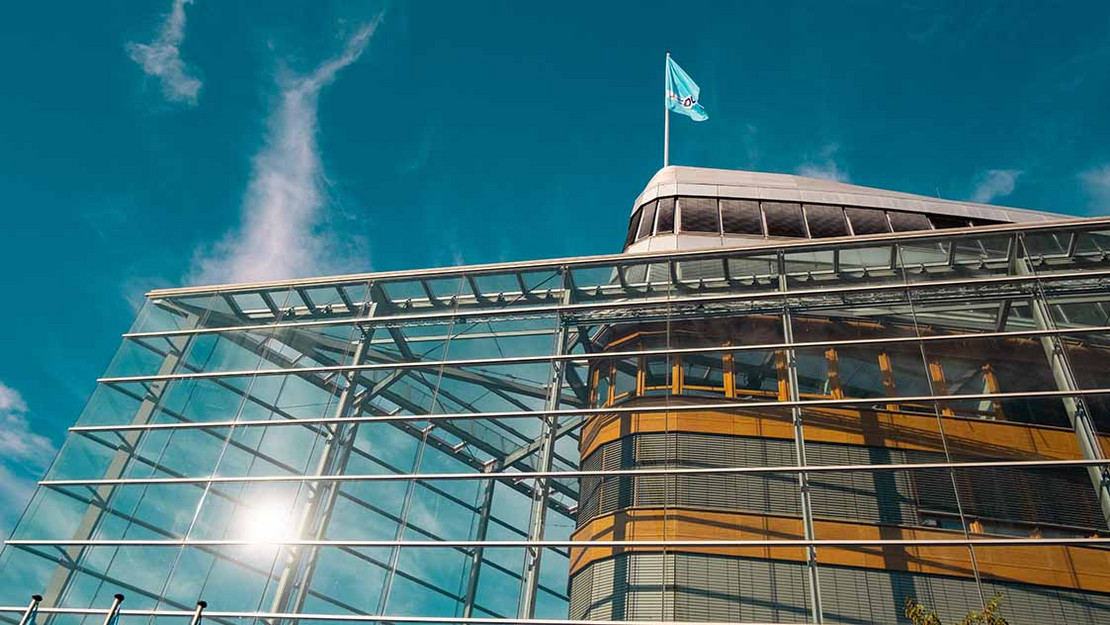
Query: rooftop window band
[574, 412]
[900, 220]
[644, 302]
[526, 475]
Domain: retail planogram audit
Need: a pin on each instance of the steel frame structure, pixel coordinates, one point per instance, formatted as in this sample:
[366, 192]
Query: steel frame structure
[374, 351]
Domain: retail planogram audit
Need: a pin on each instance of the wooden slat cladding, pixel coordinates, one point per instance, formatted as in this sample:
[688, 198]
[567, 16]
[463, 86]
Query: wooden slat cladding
[1066, 566]
[967, 438]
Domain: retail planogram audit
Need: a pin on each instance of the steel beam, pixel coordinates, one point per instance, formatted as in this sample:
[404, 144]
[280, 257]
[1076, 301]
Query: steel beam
[813, 576]
[1086, 435]
[537, 520]
[296, 577]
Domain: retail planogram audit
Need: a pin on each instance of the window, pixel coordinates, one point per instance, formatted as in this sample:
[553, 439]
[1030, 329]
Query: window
[741, 217]
[784, 219]
[633, 226]
[868, 221]
[601, 397]
[826, 221]
[649, 220]
[813, 373]
[703, 375]
[756, 373]
[657, 376]
[947, 221]
[985, 222]
[908, 222]
[666, 215]
[624, 379]
[859, 372]
[699, 214]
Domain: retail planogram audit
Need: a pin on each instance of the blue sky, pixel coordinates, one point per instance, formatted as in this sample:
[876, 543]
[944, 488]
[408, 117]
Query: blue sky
[166, 143]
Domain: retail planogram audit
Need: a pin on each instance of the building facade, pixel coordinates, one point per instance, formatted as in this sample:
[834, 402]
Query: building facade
[787, 401]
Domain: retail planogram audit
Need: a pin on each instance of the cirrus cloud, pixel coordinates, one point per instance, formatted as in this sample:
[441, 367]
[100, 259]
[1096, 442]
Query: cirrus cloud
[825, 166]
[25, 455]
[1096, 182]
[161, 58]
[993, 184]
[284, 231]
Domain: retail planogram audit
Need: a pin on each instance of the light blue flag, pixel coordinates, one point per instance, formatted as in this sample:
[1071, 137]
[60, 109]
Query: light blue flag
[682, 93]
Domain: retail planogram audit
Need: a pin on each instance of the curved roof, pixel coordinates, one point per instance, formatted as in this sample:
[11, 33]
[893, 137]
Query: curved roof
[791, 199]
[751, 185]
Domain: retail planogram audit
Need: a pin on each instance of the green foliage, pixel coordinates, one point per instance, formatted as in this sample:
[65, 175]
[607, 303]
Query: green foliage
[921, 615]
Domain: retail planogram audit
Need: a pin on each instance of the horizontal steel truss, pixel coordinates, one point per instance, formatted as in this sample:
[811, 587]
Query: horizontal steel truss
[602, 356]
[569, 544]
[1066, 226]
[526, 475]
[355, 618]
[732, 406]
[773, 293]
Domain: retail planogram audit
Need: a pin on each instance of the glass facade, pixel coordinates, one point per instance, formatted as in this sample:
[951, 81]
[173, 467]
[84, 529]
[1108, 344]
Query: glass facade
[814, 431]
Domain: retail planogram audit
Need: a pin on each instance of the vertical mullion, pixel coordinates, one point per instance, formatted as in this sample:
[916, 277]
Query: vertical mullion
[813, 577]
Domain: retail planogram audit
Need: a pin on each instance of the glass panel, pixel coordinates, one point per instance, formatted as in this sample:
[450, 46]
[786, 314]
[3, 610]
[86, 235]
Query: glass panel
[826, 221]
[784, 219]
[666, 215]
[699, 214]
[633, 226]
[868, 220]
[908, 222]
[648, 221]
[466, 394]
[941, 222]
[741, 217]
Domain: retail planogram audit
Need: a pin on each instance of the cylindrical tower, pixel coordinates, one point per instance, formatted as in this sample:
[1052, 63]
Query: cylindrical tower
[788, 350]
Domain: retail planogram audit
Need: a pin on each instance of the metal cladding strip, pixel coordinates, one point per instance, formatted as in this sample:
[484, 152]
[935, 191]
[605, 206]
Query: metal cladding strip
[575, 412]
[525, 475]
[584, 262]
[643, 302]
[520, 544]
[359, 618]
[587, 357]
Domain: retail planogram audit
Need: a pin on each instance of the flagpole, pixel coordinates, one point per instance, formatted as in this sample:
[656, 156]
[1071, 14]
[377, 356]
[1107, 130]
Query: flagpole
[666, 114]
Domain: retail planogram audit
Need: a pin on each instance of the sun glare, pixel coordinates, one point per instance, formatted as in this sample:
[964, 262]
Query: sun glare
[267, 524]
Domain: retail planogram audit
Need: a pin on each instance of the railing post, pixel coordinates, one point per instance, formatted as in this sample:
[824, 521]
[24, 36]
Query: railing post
[113, 613]
[32, 609]
[197, 613]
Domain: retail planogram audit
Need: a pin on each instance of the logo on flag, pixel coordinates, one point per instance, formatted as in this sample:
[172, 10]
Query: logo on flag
[682, 93]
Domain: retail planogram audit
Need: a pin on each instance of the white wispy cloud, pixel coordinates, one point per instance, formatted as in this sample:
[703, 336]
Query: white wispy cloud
[993, 184]
[825, 165]
[284, 230]
[24, 455]
[161, 58]
[1096, 182]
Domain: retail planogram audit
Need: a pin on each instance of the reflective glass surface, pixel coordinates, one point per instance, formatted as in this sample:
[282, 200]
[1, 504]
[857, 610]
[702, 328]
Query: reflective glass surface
[724, 435]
